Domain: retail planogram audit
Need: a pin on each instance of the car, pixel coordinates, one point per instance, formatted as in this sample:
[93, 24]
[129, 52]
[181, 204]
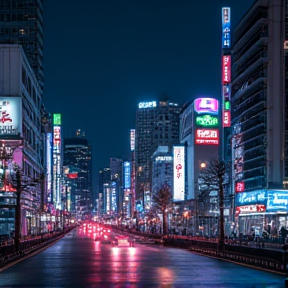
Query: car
[123, 241]
[104, 235]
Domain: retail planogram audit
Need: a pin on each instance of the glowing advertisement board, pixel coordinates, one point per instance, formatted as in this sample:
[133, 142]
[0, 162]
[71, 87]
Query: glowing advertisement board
[163, 158]
[151, 104]
[178, 173]
[226, 69]
[10, 116]
[206, 105]
[240, 187]
[253, 197]
[113, 197]
[207, 121]
[49, 166]
[251, 208]
[273, 200]
[207, 136]
[277, 200]
[226, 29]
[56, 119]
[226, 118]
[57, 166]
[132, 139]
[127, 175]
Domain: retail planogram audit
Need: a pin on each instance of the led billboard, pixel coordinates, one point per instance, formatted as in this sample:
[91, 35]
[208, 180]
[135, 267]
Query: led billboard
[178, 173]
[127, 175]
[207, 136]
[226, 29]
[226, 118]
[206, 105]
[207, 121]
[11, 116]
[56, 119]
[151, 104]
[226, 69]
[132, 139]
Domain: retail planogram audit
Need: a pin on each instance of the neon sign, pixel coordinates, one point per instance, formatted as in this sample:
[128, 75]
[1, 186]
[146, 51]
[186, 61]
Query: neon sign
[226, 22]
[226, 73]
[179, 173]
[207, 137]
[251, 208]
[56, 119]
[226, 119]
[240, 187]
[207, 120]
[147, 104]
[206, 105]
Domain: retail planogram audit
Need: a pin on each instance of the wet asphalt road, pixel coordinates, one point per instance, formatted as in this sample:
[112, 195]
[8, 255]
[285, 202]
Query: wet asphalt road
[78, 261]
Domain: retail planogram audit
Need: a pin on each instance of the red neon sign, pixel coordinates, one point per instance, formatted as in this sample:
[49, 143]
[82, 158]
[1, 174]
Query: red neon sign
[240, 187]
[226, 119]
[207, 137]
[226, 69]
[251, 208]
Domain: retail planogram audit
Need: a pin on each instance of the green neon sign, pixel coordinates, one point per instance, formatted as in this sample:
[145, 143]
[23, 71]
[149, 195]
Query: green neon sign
[57, 119]
[227, 105]
[207, 120]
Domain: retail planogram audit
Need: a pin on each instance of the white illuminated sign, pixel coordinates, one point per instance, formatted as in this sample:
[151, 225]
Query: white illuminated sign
[147, 104]
[163, 158]
[10, 116]
[178, 173]
[132, 139]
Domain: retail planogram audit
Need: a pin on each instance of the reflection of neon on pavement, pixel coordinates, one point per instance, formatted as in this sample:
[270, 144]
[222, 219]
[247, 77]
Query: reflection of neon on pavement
[165, 275]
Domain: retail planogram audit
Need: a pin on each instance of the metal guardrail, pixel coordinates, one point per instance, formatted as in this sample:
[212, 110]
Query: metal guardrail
[9, 254]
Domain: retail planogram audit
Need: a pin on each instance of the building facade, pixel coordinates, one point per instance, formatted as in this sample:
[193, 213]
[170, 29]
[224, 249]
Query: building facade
[259, 118]
[78, 164]
[21, 120]
[21, 23]
[157, 124]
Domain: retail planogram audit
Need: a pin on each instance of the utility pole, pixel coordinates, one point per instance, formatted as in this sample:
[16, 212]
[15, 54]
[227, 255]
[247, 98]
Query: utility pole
[18, 211]
[221, 214]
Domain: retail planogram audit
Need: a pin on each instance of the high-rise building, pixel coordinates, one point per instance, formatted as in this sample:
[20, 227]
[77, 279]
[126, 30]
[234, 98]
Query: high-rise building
[21, 120]
[104, 180]
[157, 124]
[21, 22]
[260, 117]
[78, 164]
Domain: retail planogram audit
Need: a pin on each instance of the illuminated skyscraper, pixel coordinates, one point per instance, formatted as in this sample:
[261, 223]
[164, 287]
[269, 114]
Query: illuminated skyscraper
[78, 164]
[157, 124]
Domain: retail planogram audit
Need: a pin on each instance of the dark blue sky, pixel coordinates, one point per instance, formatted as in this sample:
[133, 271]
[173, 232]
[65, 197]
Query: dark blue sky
[103, 57]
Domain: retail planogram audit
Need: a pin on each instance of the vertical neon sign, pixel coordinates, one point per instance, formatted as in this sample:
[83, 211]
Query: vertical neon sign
[226, 67]
[178, 173]
[57, 160]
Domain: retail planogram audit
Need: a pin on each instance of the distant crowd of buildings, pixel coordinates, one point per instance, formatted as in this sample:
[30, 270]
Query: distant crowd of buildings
[171, 144]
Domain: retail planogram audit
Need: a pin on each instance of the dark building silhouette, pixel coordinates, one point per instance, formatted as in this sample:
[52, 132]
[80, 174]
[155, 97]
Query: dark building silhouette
[21, 22]
[78, 164]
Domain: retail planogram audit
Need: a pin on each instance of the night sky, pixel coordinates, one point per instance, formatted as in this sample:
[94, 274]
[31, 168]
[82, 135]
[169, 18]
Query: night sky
[103, 57]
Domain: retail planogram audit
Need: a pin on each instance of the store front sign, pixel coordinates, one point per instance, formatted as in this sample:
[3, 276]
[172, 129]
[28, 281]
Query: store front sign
[254, 197]
[277, 200]
[251, 208]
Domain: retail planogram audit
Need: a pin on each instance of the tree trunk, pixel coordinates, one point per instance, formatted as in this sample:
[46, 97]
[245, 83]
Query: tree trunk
[221, 217]
[164, 223]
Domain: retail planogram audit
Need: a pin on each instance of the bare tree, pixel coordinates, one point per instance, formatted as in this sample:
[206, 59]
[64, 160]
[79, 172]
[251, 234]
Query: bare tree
[162, 201]
[211, 179]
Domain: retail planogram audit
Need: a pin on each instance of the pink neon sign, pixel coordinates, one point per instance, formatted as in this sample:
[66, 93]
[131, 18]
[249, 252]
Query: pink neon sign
[206, 105]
